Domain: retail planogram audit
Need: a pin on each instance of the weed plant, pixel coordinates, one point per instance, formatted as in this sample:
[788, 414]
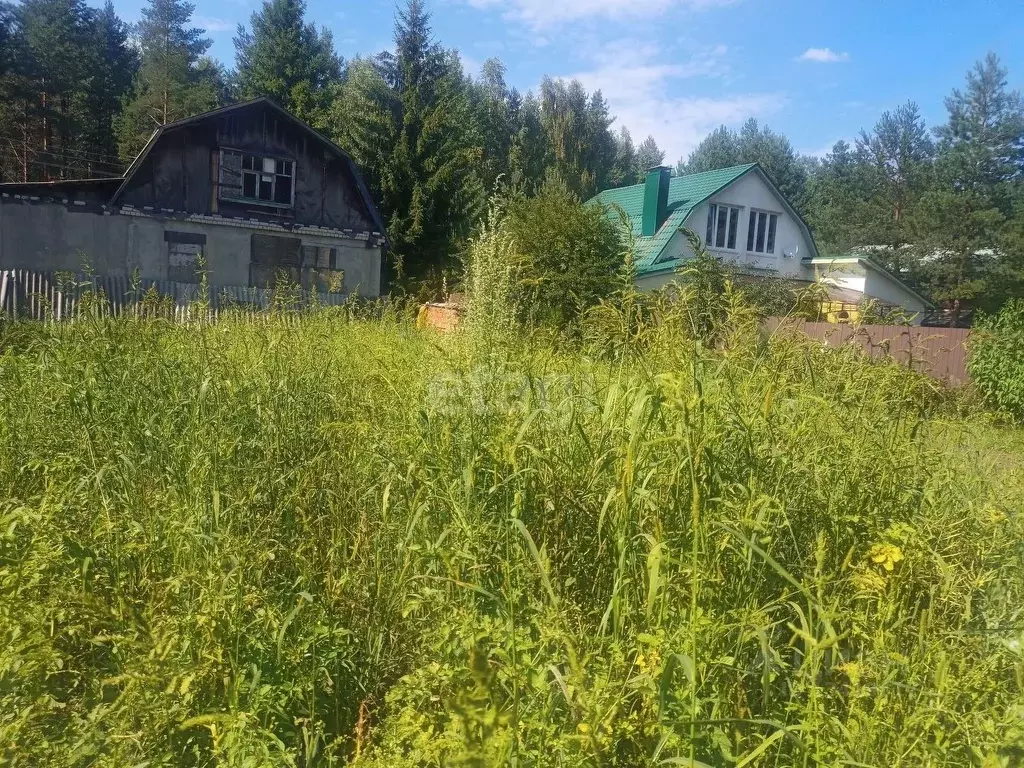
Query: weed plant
[335, 539]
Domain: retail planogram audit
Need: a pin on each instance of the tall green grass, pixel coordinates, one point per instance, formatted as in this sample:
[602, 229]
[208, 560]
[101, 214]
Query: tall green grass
[321, 542]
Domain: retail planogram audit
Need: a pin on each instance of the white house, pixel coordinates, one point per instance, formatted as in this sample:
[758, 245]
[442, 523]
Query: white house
[741, 216]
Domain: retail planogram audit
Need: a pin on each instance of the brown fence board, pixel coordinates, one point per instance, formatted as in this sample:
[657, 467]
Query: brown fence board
[938, 352]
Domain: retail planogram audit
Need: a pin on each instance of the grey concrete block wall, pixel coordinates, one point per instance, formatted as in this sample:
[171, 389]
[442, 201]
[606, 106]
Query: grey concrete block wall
[52, 237]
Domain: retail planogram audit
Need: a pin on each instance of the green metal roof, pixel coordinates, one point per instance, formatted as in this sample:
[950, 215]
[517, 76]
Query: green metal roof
[685, 193]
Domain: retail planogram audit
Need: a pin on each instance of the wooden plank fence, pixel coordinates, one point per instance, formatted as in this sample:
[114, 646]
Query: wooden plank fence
[51, 296]
[938, 352]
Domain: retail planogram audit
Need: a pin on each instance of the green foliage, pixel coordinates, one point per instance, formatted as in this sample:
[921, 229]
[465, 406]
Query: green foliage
[632, 163]
[65, 69]
[996, 362]
[568, 253]
[312, 541]
[751, 144]
[407, 120]
[289, 60]
[174, 81]
[943, 216]
[576, 125]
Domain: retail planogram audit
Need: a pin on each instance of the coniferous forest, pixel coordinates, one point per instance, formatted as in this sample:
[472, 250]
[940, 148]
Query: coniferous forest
[81, 91]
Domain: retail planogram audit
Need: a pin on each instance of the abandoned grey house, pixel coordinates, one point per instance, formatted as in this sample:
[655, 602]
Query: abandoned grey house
[250, 188]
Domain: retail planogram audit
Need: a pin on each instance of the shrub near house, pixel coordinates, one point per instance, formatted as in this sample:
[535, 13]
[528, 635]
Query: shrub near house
[996, 358]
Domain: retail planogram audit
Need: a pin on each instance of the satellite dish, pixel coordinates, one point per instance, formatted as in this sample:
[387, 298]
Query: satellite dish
[792, 251]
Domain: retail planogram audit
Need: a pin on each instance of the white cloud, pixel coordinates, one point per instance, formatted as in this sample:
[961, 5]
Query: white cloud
[213, 25]
[471, 66]
[823, 56]
[547, 13]
[638, 94]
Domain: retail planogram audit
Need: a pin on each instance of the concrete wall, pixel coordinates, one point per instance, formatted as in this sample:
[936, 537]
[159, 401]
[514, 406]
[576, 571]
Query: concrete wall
[52, 237]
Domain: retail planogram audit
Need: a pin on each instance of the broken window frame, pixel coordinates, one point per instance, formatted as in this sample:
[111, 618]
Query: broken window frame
[284, 168]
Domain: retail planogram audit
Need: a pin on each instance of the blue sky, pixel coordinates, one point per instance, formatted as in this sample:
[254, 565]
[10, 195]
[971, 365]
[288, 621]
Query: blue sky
[676, 69]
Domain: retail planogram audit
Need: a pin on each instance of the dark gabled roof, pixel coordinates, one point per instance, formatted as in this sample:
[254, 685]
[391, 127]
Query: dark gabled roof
[264, 101]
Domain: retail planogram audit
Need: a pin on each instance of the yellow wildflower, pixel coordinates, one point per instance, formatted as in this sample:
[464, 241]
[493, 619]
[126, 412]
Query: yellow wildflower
[852, 670]
[886, 555]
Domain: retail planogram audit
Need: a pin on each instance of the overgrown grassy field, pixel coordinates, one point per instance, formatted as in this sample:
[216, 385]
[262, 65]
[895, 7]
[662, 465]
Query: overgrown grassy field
[325, 542]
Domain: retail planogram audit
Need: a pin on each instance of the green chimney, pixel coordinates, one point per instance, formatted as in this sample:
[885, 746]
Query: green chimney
[655, 200]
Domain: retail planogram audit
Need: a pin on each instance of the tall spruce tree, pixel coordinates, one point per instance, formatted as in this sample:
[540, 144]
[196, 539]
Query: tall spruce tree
[172, 82]
[648, 155]
[284, 57]
[407, 119]
[112, 66]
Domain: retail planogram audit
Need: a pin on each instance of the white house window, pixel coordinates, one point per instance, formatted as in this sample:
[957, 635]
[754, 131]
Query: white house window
[255, 178]
[723, 223]
[761, 232]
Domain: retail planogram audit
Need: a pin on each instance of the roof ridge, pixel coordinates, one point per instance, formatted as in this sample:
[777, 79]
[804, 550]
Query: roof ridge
[681, 176]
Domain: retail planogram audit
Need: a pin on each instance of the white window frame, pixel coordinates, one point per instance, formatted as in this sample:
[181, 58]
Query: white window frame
[754, 224]
[241, 198]
[715, 211]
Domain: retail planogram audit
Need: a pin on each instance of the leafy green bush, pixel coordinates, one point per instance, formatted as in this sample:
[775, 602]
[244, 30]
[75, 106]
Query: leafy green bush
[996, 358]
[569, 253]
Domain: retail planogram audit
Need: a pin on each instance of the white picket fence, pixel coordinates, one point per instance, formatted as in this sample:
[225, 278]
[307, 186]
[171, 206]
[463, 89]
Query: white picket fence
[53, 296]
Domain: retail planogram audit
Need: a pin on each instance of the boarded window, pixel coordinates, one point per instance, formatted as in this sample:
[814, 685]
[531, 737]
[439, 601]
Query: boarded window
[320, 269]
[272, 257]
[183, 252]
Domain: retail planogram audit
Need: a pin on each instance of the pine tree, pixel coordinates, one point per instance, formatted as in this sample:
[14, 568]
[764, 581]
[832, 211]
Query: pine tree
[623, 171]
[896, 157]
[719, 149]
[751, 144]
[56, 34]
[974, 199]
[112, 66]
[648, 155]
[288, 60]
[983, 141]
[171, 84]
[773, 152]
[408, 121]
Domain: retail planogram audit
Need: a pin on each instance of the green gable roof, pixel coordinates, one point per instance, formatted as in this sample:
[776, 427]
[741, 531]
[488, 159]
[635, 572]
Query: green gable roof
[685, 193]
